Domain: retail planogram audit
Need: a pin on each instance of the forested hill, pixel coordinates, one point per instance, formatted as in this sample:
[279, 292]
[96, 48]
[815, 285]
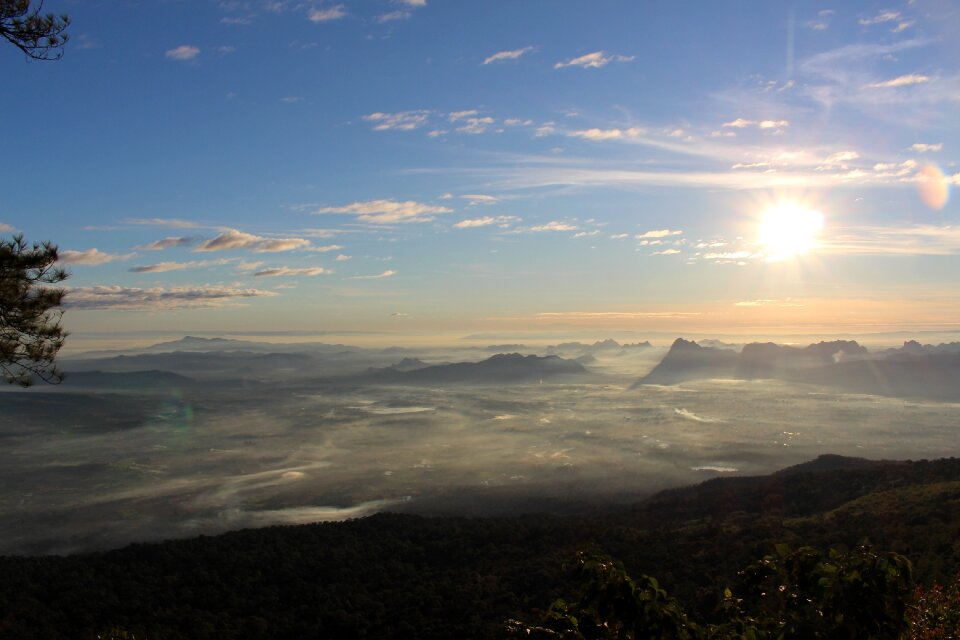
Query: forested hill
[404, 576]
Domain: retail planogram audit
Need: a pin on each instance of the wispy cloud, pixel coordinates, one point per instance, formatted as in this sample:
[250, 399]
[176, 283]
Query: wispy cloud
[471, 121]
[546, 129]
[921, 147]
[388, 211]
[389, 273]
[743, 123]
[485, 221]
[163, 267]
[170, 242]
[393, 16]
[479, 198]
[881, 18]
[400, 121]
[590, 316]
[594, 60]
[404, 13]
[173, 223]
[658, 233]
[903, 240]
[775, 168]
[91, 257]
[5, 228]
[886, 17]
[276, 272]
[766, 302]
[730, 256]
[453, 116]
[183, 52]
[504, 56]
[476, 126]
[233, 239]
[607, 134]
[553, 225]
[317, 233]
[848, 76]
[902, 26]
[899, 81]
[327, 14]
[157, 298]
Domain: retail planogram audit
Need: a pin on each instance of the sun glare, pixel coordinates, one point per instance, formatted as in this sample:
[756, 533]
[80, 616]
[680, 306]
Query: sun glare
[788, 230]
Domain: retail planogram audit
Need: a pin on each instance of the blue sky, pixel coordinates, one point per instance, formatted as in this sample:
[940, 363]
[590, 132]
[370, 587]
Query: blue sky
[425, 167]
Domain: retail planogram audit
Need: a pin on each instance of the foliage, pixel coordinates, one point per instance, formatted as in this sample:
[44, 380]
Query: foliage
[798, 594]
[40, 36]
[793, 595]
[612, 605]
[404, 576]
[935, 614]
[117, 633]
[30, 314]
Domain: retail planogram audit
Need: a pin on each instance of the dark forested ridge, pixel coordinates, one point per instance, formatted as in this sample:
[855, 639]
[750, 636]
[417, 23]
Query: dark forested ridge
[405, 576]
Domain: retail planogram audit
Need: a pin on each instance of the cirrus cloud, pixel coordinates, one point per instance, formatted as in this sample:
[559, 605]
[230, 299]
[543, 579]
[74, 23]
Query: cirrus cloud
[163, 267]
[287, 271]
[400, 121]
[607, 134]
[169, 242]
[174, 223]
[183, 52]
[156, 298]
[900, 81]
[485, 221]
[658, 233]
[327, 15]
[388, 211]
[921, 147]
[504, 56]
[91, 257]
[389, 273]
[594, 60]
[553, 225]
[234, 239]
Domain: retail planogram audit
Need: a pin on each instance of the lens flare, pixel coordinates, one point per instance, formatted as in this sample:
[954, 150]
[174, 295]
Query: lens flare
[788, 230]
[933, 187]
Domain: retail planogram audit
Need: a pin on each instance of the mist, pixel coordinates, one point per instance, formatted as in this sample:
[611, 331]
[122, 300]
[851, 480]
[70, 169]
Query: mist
[298, 434]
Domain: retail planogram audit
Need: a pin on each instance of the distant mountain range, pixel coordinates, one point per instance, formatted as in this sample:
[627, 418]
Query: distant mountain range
[600, 346]
[194, 344]
[912, 370]
[501, 368]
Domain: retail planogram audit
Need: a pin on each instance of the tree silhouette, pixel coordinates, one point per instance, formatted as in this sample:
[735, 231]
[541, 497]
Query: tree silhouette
[30, 313]
[30, 331]
[40, 36]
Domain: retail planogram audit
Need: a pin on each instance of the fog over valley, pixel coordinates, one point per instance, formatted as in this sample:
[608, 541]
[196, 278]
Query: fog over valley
[207, 435]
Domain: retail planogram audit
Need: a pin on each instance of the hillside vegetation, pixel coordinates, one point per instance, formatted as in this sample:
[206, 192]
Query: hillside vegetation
[404, 576]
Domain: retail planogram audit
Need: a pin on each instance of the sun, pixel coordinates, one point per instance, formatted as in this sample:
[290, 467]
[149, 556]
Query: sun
[788, 230]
